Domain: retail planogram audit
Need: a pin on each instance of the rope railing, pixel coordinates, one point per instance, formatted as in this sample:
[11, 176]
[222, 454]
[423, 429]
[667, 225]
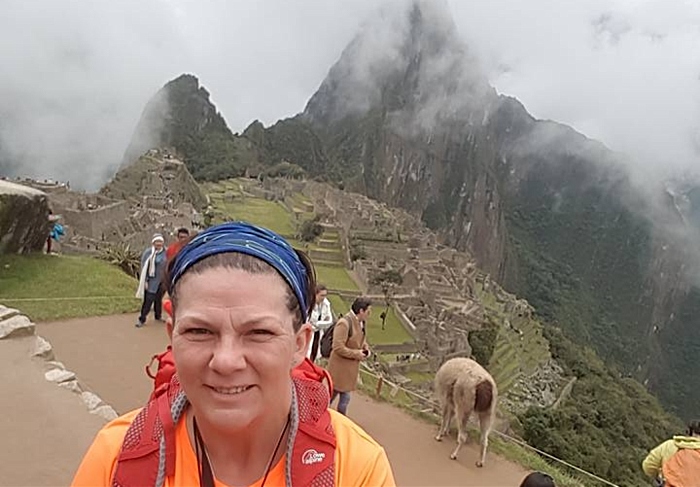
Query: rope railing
[395, 387]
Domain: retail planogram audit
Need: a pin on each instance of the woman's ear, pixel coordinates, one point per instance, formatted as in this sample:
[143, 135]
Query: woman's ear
[302, 342]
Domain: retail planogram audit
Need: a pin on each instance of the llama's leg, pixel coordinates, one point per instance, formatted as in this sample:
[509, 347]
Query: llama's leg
[447, 413]
[485, 423]
[462, 420]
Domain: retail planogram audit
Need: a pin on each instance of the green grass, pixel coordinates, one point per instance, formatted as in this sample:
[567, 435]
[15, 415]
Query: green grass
[262, 212]
[335, 278]
[223, 186]
[419, 377]
[394, 332]
[40, 276]
[338, 305]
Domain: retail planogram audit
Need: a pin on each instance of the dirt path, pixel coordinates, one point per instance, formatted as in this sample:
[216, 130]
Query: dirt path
[108, 354]
[39, 417]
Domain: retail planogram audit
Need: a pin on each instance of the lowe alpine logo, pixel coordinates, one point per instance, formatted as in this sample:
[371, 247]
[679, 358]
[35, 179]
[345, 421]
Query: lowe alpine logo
[311, 456]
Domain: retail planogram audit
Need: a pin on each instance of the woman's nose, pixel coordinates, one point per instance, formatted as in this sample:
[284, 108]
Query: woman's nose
[228, 356]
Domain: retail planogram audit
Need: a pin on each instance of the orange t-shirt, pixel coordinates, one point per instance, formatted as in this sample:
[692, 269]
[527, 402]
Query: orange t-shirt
[359, 460]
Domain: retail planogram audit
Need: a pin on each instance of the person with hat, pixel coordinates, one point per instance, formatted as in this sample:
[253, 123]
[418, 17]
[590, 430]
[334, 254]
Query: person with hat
[150, 289]
[235, 412]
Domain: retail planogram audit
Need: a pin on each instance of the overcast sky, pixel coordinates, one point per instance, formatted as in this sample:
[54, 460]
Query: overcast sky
[76, 74]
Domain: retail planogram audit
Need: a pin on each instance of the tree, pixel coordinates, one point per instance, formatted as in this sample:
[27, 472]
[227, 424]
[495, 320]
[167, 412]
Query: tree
[311, 229]
[388, 280]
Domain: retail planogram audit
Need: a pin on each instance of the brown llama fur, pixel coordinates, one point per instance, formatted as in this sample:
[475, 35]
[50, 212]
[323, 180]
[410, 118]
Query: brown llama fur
[462, 387]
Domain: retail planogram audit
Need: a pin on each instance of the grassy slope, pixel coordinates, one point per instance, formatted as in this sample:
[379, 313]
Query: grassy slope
[57, 280]
[256, 210]
[335, 278]
[393, 333]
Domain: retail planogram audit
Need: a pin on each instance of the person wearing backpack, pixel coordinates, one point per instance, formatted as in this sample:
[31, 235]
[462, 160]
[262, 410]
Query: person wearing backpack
[349, 348]
[676, 462]
[237, 408]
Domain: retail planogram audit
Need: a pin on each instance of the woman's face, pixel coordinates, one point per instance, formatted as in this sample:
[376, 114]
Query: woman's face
[234, 345]
[321, 295]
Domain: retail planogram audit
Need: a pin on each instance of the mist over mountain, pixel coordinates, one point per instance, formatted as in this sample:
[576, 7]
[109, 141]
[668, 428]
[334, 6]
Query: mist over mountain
[601, 242]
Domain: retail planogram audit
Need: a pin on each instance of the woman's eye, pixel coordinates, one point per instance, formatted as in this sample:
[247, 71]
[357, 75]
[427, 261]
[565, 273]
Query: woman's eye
[261, 331]
[197, 331]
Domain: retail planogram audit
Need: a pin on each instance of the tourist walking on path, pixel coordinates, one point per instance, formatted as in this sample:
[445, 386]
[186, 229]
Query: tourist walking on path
[349, 349]
[236, 412]
[150, 277]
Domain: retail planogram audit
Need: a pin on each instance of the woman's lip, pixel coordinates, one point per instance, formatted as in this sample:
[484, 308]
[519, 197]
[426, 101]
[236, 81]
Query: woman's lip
[232, 390]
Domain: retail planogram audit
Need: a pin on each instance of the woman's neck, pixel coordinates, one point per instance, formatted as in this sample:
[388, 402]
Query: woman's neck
[242, 458]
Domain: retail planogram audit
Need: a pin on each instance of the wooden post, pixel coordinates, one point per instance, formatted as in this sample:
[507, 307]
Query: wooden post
[380, 383]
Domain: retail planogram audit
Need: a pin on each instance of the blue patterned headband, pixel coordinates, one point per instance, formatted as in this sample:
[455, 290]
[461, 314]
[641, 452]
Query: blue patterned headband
[247, 239]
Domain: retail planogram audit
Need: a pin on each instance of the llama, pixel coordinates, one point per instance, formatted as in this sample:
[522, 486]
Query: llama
[463, 386]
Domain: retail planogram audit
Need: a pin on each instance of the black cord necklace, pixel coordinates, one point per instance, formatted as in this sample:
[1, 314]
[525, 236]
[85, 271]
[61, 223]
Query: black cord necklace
[206, 477]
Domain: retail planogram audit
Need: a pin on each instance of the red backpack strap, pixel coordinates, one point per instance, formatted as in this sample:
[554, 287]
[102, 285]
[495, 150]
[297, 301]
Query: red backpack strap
[164, 373]
[311, 451]
[309, 370]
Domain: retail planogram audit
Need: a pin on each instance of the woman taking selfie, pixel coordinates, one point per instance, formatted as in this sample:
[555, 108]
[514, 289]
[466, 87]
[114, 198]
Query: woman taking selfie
[233, 414]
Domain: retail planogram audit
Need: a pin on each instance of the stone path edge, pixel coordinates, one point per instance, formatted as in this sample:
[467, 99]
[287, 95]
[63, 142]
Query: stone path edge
[13, 324]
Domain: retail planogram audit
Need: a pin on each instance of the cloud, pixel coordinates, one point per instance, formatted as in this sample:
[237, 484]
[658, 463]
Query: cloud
[623, 72]
[76, 75]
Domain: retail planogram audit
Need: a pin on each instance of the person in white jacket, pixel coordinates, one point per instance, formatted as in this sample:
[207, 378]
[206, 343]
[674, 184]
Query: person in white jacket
[321, 318]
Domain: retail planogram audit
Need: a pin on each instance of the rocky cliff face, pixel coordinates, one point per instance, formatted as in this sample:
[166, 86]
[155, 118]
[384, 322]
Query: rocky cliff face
[24, 223]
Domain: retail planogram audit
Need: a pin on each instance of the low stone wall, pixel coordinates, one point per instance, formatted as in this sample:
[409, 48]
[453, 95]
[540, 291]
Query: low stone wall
[13, 324]
[96, 223]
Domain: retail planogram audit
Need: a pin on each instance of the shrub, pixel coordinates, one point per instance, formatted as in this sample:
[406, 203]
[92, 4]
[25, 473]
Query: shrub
[121, 255]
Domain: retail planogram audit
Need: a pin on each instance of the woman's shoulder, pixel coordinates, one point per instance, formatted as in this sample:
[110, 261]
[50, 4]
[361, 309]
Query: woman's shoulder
[98, 464]
[114, 431]
[349, 435]
[362, 460]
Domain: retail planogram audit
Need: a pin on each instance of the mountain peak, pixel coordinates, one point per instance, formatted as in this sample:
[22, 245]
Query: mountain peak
[182, 116]
[409, 58]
